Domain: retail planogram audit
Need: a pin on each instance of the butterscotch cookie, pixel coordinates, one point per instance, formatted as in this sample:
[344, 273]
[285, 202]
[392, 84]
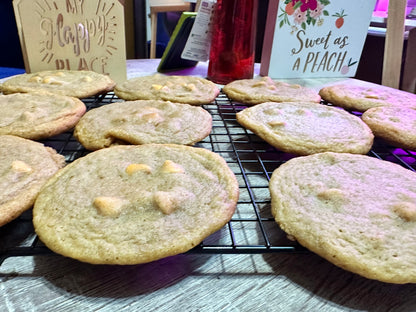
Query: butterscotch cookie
[360, 98]
[80, 84]
[25, 166]
[143, 122]
[180, 89]
[135, 204]
[264, 89]
[38, 115]
[356, 211]
[396, 125]
[307, 128]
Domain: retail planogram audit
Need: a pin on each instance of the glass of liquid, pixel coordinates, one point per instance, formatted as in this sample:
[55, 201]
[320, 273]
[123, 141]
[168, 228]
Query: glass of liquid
[233, 41]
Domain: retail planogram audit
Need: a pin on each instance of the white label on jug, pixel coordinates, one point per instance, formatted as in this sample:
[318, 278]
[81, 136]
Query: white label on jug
[199, 40]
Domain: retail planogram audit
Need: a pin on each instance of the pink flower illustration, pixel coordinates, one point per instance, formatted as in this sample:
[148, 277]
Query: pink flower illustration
[299, 16]
[317, 12]
[304, 13]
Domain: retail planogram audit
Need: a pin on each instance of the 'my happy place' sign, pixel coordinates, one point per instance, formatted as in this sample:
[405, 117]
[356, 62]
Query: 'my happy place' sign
[315, 38]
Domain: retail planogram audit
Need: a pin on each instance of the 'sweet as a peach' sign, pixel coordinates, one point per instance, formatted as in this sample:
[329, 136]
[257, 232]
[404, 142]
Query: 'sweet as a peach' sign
[315, 38]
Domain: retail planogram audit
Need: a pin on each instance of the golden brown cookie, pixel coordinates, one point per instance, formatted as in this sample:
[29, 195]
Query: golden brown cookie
[356, 211]
[38, 115]
[265, 89]
[143, 122]
[135, 204]
[179, 89]
[79, 84]
[25, 167]
[361, 98]
[396, 125]
[307, 128]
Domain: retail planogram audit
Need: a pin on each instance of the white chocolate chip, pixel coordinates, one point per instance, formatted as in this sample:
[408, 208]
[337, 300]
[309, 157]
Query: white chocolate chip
[333, 194]
[171, 167]
[302, 112]
[259, 84]
[272, 88]
[133, 168]
[109, 206]
[51, 80]
[276, 123]
[21, 166]
[36, 79]
[169, 201]
[27, 116]
[268, 80]
[165, 201]
[157, 86]
[371, 94]
[189, 87]
[405, 210]
[153, 117]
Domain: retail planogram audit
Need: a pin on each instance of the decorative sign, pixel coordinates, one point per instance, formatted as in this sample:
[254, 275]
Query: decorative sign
[315, 38]
[73, 34]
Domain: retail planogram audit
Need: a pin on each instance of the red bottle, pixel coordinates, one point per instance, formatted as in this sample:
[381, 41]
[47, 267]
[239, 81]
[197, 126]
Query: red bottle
[233, 41]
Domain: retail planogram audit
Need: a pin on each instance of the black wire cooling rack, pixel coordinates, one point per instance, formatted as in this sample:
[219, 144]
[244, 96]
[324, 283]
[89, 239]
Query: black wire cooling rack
[252, 228]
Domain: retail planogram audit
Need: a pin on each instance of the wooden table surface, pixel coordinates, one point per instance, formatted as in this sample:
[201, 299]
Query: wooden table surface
[196, 282]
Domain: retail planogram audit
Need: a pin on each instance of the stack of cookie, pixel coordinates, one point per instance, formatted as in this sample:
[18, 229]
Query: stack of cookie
[390, 113]
[148, 196]
[158, 109]
[33, 107]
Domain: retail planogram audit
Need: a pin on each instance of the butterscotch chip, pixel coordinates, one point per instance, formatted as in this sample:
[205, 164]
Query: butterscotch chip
[79, 84]
[180, 89]
[396, 125]
[265, 89]
[98, 211]
[143, 122]
[307, 128]
[25, 167]
[356, 211]
[38, 115]
[361, 98]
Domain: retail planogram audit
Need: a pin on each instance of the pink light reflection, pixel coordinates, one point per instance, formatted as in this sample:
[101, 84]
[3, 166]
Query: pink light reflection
[382, 5]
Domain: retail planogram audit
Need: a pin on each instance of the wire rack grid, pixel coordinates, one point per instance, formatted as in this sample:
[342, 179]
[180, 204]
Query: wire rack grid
[252, 229]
